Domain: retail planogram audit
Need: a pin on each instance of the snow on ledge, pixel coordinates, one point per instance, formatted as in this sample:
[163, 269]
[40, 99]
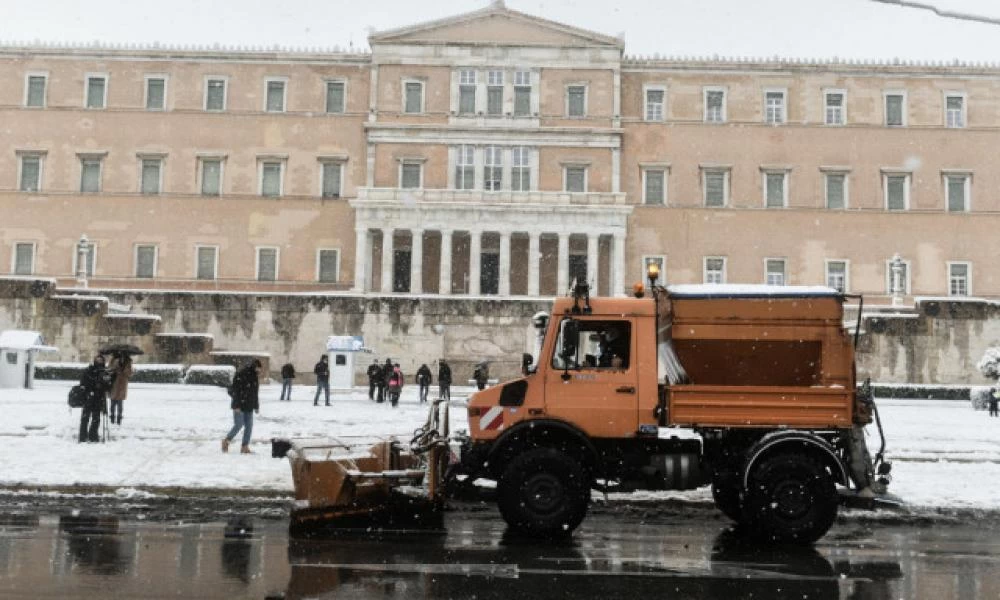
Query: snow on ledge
[969, 299]
[744, 290]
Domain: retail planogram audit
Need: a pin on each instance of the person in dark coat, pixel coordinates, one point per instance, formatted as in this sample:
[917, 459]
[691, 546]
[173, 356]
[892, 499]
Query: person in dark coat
[444, 380]
[994, 400]
[424, 381]
[322, 371]
[386, 374]
[246, 385]
[481, 375]
[287, 375]
[374, 380]
[96, 381]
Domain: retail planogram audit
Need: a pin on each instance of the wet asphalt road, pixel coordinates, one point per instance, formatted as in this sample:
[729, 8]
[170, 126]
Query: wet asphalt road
[677, 554]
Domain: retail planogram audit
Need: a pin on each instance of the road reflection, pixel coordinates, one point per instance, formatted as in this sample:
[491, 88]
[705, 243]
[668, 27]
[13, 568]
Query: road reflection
[94, 544]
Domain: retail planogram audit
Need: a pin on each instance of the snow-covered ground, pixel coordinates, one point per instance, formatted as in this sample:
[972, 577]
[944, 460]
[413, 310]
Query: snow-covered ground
[945, 455]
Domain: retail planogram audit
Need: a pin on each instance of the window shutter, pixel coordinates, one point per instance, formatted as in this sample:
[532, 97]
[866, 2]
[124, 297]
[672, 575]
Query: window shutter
[328, 266]
[715, 189]
[335, 97]
[267, 264]
[835, 191]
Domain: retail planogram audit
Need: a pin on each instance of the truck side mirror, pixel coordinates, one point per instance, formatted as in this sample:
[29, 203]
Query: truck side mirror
[570, 339]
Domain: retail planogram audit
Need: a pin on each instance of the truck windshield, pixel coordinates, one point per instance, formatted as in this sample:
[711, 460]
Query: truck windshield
[604, 344]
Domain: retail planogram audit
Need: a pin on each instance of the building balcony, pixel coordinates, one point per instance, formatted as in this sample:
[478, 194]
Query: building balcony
[443, 196]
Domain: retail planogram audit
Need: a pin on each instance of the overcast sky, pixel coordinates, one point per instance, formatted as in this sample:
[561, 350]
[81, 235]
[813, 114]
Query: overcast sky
[762, 28]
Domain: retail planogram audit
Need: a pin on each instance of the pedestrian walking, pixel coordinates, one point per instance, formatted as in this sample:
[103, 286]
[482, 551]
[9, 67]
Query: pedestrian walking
[374, 380]
[322, 371]
[444, 380]
[245, 402]
[481, 374]
[424, 381]
[287, 375]
[994, 400]
[395, 385]
[96, 381]
[386, 374]
[120, 372]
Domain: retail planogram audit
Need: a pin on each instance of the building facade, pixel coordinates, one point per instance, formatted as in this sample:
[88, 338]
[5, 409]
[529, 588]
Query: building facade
[498, 154]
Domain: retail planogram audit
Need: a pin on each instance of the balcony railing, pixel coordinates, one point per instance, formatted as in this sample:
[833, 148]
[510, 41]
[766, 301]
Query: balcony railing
[407, 196]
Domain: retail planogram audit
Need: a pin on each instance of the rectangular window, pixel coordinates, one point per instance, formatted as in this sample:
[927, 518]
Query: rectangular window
[327, 265]
[835, 107]
[206, 262]
[410, 175]
[522, 93]
[145, 261]
[957, 187]
[775, 189]
[34, 96]
[215, 94]
[954, 111]
[335, 100]
[715, 269]
[97, 88]
[492, 168]
[715, 105]
[91, 260]
[836, 190]
[575, 179]
[156, 93]
[152, 169]
[774, 271]
[897, 192]
[576, 100]
[716, 187]
[836, 275]
[414, 100]
[24, 258]
[332, 179]
[520, 169]
[90, 175]
[467, 92]
[494, 93]
[267, 264]
[895, 109]
[654, 186]
[275, 101]
[211, 176]
[31, 173]
[465, 167]
[904, 278]
[774, 107]
[270, 178]
[958, 278]
[654, 104]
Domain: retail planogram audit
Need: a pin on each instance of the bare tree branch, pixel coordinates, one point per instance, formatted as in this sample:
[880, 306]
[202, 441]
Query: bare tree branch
[949, 14]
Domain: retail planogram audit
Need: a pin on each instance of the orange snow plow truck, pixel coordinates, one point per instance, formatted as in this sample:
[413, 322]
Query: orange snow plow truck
[748, 388]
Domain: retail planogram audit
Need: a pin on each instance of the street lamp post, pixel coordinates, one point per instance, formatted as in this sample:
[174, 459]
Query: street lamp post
[82, 254]
[896, 268]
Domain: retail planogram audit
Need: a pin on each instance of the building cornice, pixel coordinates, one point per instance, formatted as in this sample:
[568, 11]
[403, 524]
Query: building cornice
[598, 137]
[889, 67]
[156, 51]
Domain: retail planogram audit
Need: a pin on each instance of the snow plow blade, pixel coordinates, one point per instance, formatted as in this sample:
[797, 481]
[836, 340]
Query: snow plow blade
[340, 487]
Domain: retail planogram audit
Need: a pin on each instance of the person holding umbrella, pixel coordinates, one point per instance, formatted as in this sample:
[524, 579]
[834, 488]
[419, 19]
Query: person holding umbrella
[121, 371]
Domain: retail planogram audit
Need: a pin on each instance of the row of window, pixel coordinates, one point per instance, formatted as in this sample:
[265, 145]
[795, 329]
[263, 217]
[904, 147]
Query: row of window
[837, 273]
[145, 261]
[775, 183]
[209, 171]
[775, 106]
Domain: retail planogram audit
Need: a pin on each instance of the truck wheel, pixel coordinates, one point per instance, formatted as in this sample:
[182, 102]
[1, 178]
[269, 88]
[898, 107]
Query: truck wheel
[726, 493]
[543, 492]
[790, 498]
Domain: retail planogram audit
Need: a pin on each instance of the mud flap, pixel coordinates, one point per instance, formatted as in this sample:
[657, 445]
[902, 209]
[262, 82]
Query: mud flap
[862, 469]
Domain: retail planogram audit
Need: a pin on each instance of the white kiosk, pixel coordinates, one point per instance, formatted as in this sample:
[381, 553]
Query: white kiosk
[342, 350]
[17, 357]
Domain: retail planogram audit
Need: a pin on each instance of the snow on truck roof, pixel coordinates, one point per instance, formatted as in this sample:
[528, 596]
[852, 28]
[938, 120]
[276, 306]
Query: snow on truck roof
[742, 290]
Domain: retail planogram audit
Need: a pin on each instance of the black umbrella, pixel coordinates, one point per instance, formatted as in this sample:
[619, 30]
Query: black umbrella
[121, 349]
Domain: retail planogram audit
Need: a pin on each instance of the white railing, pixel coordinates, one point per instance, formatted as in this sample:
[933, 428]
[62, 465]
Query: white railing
[408, 196]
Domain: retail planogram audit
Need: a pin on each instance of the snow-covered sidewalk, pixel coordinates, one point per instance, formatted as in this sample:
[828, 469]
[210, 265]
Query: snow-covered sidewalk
[945, 454]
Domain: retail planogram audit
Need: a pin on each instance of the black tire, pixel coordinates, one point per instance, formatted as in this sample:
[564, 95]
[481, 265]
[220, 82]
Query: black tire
[543, 493]
[790, 498]
[726, 493]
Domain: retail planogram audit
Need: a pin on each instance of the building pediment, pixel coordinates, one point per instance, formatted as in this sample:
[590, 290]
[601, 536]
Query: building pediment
[495, 25]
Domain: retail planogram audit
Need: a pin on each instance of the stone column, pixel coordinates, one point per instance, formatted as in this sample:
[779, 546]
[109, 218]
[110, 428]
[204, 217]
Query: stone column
[387, 248]
[592, 240]
[504, 263]
[475, 261]
[362, 259]
[417, 261]
[563, 265]
[444, 283]
[534, 257]
[618, 266]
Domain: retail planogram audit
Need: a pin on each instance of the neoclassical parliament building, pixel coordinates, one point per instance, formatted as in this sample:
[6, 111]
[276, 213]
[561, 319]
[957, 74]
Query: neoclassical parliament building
[494, 153]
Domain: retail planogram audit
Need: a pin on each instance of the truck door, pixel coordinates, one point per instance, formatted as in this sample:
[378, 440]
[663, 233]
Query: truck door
[595, 384]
